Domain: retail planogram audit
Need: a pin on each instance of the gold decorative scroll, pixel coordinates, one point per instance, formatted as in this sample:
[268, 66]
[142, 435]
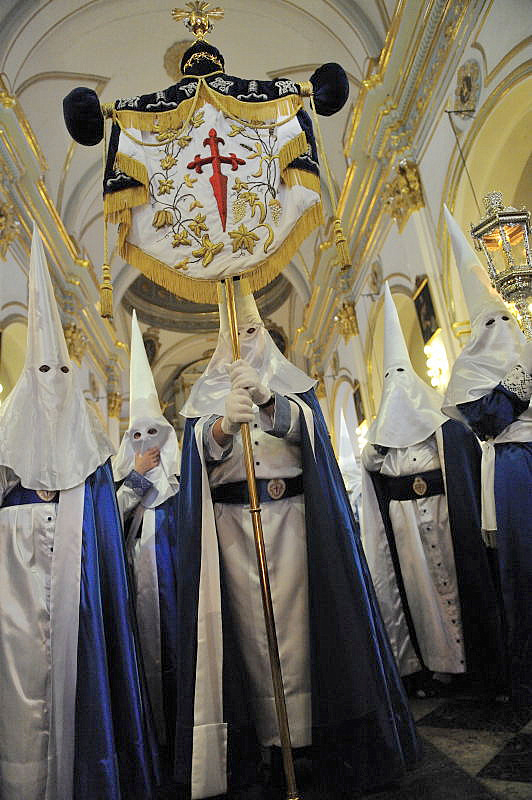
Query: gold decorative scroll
[404, 194]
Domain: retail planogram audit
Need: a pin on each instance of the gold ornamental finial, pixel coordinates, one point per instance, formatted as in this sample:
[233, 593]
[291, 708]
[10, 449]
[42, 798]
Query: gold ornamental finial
[197, 18]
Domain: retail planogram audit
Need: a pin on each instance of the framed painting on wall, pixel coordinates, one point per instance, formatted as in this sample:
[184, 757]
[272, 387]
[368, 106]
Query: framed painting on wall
[425, 308]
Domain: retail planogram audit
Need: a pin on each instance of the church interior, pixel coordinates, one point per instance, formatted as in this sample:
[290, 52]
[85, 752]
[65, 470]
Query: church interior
[438, 115]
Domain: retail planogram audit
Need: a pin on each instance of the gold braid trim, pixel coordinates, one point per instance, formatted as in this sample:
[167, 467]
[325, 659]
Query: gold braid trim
[205, 291]
[269, 111]
[301, 177]
[132, 168]
[292, 149]
[124, 198]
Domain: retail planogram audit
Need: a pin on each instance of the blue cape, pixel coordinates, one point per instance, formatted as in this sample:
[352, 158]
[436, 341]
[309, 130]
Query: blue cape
[359, 708]
[487, 417]
[114, 754]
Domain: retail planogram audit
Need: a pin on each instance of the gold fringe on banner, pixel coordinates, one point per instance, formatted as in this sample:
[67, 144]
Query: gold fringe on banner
[292, 149]
[132, 168]
[114, 202]
[268, 111]
[205, 291]
[302, 177]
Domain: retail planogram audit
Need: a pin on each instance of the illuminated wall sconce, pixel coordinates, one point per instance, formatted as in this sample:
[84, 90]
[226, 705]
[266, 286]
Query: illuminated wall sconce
[437, 362]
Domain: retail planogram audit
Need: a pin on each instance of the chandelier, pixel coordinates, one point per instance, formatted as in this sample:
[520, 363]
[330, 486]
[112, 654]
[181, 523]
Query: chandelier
[503, 235]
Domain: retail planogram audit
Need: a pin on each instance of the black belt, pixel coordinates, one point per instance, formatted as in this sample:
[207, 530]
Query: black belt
[414, 487]
[268, 490]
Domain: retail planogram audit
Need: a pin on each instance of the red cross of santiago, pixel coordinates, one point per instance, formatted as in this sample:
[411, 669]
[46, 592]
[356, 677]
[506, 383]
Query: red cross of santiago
[218, 180]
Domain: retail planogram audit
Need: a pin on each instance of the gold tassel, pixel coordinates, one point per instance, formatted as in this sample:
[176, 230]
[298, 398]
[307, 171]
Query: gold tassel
[106, 293]
[106, 286]
[339, 236]
[341, 245]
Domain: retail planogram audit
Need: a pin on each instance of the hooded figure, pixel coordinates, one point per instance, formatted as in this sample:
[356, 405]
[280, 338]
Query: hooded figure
[490, 389]
[72, 717]
[350, 469]
[421, 528]
[147, 465]
[342, 689]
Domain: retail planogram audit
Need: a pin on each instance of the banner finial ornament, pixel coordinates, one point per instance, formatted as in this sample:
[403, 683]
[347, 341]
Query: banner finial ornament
[197, 17]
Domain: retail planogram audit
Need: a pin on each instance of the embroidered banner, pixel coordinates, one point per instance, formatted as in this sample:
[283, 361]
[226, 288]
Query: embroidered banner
[202, 193]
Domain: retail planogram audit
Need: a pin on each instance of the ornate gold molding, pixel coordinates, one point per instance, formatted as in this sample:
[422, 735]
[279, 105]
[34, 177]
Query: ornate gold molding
[346, 320]
[114, 404]
[404, 194]
[462, 330]
[76, 342]
[9, 226]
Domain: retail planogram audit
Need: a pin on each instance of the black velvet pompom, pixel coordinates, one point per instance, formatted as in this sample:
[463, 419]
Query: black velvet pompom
[213, 60]
[331, 88]
[83, 116]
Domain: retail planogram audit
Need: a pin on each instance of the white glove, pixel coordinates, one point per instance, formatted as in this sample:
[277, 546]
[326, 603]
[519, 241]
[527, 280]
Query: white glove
[244, 376]
[238, 409]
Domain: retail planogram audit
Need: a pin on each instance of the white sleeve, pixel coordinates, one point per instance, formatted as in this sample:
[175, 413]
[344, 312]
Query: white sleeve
[284, 422]
[8, 480]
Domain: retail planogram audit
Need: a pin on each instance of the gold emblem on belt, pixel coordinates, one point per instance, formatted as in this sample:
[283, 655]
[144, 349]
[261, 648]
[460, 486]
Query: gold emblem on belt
[276, 488]
[46, 495]
[419, 485]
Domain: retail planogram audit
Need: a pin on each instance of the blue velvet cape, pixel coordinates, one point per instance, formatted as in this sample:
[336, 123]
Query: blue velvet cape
[359, 708]
[488, 417]
[483, 638]
[114, 756]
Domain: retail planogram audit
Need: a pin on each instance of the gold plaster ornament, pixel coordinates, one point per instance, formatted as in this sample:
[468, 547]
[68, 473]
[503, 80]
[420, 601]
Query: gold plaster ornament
[76, 342]
[346, 320]
[197, 19]
[404, 194]
[8, 227]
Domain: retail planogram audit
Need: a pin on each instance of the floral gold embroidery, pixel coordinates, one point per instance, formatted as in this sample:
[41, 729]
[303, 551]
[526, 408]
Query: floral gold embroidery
[275, 208]
[165, 186]
[243, 239]
[208, 250]
[235, 129]
[168, 162]
[198, 225]
[162, 218]
[182, 264]
[195, 204]
[189, 180]
[198, 119]
[181, 238]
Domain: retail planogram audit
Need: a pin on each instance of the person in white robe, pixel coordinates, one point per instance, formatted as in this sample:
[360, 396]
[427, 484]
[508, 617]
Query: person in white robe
[490, 389]
[419, 550]
[227, 702]
[147, 468]
[59, 674]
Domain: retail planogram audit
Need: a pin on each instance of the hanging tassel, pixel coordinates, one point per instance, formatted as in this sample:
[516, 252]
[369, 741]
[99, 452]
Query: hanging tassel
[106, 293]
[341, 245]
[339, 237]
[106, 286]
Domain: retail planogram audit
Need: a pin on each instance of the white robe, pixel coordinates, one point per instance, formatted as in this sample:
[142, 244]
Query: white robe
[283, 524]
[142, 558]
[425, 550]
[39, 602]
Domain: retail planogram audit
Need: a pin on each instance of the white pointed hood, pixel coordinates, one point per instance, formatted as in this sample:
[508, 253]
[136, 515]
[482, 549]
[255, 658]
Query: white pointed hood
[409, 410]
[256, 347]
[496, 342]
[347, 461]
[147, 428]
[47, 435]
